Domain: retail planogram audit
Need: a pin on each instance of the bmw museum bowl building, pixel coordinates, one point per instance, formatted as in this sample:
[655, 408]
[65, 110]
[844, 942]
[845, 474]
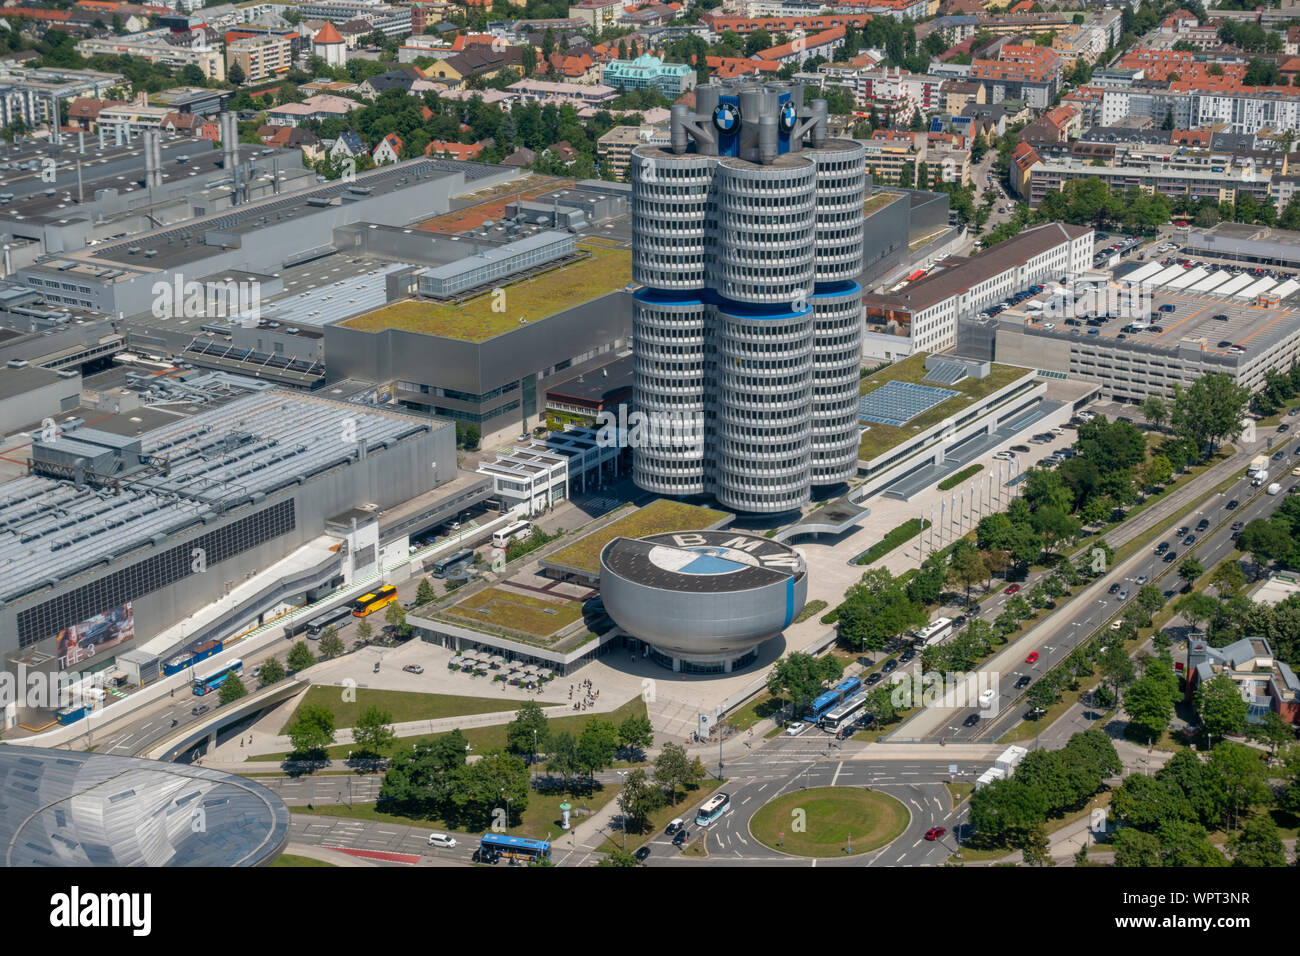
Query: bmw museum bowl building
[703, 600]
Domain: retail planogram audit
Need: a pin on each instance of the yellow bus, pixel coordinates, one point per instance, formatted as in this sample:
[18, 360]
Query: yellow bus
[374, 601]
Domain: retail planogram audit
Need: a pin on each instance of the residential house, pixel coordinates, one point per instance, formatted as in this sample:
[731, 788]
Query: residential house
[389, 150]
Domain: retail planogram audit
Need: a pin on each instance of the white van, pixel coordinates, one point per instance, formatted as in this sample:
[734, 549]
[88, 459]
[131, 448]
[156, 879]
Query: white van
[442, 840]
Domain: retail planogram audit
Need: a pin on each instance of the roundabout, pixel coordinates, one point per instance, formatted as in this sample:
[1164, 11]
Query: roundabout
[829, 821]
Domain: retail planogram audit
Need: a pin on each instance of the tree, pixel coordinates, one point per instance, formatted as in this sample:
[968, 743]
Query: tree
[1135, 848]
[1228, 578]
[1211, 410]
[1221, 707]
[528, 733]
[635, 734]
[1189, 569]
[395, 617]
[1005, 806]
[563, 757]
[424, 593]
[1116, 667]
[1044, 692]
[799, 677]
[638, 800]
[1241, 778]
[365, 630]
[236, 74]
[1149, 706]
[619, 858]
[331, 645]
[597, 746]
[1265, 541]
[373, 732]
[272, 671]
[966, 566]
[672, 769]
[1271, 731]
[1156, 409]
[232, 688]
[300, 657]
[1146, 802]
[1032, 843]
[1258, 843]
[1196, 608]
[312, 730]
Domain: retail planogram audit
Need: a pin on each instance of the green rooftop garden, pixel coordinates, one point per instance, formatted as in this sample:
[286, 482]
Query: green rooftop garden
[605, 270]
[658, 517]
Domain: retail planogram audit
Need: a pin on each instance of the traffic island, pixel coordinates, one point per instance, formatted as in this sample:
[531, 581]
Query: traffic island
[829, 821]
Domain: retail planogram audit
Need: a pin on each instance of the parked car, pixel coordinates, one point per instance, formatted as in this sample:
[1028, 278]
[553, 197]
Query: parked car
[413, 669]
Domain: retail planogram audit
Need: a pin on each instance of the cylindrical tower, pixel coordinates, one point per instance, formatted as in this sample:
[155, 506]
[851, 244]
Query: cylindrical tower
[748, 239]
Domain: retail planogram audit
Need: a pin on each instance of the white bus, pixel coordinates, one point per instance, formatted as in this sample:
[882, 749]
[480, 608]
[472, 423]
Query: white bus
[843, 715]
[934, 632]
[713, 809]
[503, 536]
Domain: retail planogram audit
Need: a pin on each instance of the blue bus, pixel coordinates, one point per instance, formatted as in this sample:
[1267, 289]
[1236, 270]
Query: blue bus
[209, 679]
[493, 846]
[837, 694]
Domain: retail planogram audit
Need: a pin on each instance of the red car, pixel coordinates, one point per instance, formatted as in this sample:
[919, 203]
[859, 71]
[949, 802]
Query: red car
[1011, 589]
[935, 832]
[1032, 658]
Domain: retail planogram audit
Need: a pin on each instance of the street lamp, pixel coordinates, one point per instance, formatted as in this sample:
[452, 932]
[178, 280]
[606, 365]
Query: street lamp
[622, 804]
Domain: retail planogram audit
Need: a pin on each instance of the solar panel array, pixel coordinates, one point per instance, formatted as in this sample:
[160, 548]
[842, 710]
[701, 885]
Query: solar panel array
[947, 373]
[220, 458]
[897, 403]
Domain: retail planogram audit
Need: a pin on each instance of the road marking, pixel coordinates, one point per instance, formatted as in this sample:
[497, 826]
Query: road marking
[839, 766]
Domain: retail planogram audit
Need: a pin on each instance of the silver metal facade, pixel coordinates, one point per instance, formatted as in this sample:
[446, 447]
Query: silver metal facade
[750, 318]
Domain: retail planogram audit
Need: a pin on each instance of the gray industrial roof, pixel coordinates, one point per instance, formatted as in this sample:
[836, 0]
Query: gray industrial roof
[64, 808]
[218, 459]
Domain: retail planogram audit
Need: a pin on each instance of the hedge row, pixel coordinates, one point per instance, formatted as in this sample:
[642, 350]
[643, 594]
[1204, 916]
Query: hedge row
[904, 532]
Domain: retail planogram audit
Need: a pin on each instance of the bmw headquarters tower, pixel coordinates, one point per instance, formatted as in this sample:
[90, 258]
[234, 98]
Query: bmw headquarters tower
[748, 329]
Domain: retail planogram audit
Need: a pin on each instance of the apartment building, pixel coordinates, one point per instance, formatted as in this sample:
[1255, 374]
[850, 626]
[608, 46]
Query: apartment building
[153, 46]
[260, 58]
[600, 15]
[614, 149]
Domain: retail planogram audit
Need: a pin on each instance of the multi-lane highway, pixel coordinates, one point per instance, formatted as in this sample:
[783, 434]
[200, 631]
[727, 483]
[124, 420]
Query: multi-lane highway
[1098, 608]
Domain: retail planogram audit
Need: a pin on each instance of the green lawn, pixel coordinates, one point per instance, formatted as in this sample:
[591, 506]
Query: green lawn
[658, 517]
[538, 297]
[880, 438]
[757, 708]
[539, 821]
[289, 859]
[809, 609]
[483, 739]
[833, 819]
[403, 705]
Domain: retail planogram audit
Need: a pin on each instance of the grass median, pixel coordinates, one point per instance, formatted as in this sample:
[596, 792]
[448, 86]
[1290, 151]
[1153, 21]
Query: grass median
[829, 821]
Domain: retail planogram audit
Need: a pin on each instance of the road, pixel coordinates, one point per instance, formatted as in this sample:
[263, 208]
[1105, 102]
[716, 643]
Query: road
[1079, 619]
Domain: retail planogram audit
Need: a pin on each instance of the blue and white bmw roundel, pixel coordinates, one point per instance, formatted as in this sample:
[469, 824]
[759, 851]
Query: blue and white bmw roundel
[788, 117]
[726, 117]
